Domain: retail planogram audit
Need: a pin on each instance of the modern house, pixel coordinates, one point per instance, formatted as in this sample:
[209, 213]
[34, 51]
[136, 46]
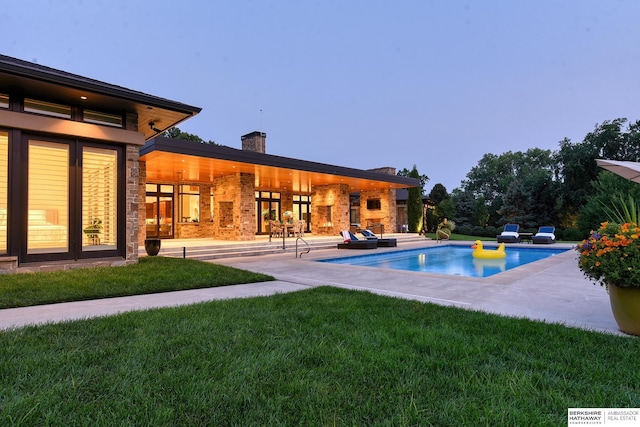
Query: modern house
[85, 176]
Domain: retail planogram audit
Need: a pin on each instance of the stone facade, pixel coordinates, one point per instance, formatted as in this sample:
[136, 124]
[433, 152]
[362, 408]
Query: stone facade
[330, 209]
[382, 219]
[142, 196]
[286, 202]
[132, 203]
[234, 211]
[202, 228]
[254, 141]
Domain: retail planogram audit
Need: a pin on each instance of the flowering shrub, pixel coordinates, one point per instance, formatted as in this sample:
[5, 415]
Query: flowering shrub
[611, 255]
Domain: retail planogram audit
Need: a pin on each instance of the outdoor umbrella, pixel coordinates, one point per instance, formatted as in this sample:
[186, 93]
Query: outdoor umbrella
[628, 170]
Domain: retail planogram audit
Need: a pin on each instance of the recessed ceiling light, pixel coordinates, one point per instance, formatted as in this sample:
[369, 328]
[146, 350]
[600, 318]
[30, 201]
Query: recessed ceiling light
[83, 98]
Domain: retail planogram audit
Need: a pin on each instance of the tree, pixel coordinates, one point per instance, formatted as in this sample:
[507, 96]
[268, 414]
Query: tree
[445, 209]
[480, 214]
[578, 162]
[438, 193]
[530, 201]
[176, 133]
[410, 173]
[493, 181]
[543, 192]
[414, 200]
[604, 189]
[514, 209]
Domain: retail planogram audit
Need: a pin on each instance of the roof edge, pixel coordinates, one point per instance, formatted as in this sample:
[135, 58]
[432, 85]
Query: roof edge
[191, 148]
[35, 71]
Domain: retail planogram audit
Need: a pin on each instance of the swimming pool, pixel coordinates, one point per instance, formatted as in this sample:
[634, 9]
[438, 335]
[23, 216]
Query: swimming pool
[449, 259]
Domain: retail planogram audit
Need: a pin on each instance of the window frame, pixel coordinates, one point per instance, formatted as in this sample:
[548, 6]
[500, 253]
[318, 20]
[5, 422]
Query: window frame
[186, 191]
[18, 195]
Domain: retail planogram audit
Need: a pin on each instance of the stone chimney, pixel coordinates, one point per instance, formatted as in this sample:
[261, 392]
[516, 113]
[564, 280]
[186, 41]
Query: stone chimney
[254, 141]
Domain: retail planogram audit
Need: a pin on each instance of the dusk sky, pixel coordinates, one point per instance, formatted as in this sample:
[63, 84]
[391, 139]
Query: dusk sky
[361, 84]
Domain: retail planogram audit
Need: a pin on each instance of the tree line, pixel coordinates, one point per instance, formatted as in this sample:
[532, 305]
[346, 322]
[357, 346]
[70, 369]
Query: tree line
[564, 188]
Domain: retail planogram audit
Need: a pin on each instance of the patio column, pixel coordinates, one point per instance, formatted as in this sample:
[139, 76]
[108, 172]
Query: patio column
[379, 207]
[329, 209]
[132, 201]
[234, 211]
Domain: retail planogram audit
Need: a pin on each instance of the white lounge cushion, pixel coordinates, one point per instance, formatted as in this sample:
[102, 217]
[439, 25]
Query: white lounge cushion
[553, 236]
[509, 234]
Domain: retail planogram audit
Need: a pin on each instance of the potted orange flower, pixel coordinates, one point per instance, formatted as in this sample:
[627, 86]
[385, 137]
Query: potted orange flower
[611, 257]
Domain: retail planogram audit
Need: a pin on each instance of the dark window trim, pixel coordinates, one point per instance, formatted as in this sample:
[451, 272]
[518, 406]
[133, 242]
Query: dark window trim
[20, 202]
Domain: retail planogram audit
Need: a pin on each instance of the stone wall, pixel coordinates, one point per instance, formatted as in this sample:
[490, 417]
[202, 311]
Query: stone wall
[132, 204]
[142, 197]
[386, 215]
[286, 202]
[254, 141]
[201, 229]
[234, 211]
[330, 209]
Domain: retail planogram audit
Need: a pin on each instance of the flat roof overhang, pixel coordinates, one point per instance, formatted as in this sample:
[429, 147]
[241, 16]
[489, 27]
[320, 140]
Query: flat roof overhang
[48, 84]
[171, 160]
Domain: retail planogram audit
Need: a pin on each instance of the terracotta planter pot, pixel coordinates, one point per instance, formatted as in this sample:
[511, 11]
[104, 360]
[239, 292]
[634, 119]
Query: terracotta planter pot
[625, 304]
[152, 246]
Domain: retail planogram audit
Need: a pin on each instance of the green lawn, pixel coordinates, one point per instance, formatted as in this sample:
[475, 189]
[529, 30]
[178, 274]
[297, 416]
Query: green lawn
[325, 356]
[149, 275]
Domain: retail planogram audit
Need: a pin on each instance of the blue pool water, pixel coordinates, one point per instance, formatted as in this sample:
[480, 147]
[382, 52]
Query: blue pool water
[449, 259]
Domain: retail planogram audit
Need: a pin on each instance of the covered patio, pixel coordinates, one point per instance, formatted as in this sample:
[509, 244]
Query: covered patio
[194, 190]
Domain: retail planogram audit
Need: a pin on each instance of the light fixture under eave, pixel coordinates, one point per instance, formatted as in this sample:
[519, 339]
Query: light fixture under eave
[153, 127]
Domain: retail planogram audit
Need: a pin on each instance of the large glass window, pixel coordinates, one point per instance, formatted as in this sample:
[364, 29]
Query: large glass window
[4, 184]
[102, 118]
[99, 198]
[159, 211]
[302, 209]
[4, 100]
[48, 197]
[189, 203]
[267, 209]
[47, 108]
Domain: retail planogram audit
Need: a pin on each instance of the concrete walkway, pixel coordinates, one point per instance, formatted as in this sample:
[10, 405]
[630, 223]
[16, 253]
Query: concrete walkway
[553, 290]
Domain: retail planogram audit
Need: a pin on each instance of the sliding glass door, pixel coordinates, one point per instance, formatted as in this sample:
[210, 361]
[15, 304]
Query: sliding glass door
[99, 199]
[72, 205]
[48, 198]
[4, 187]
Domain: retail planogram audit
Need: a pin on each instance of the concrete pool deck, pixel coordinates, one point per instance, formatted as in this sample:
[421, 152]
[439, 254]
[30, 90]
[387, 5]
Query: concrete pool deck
[553, 290]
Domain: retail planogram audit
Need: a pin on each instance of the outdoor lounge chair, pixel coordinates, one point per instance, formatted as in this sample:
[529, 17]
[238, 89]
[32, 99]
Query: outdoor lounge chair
[545, 235]
[352, 242]
[510, 234]
[387, 243]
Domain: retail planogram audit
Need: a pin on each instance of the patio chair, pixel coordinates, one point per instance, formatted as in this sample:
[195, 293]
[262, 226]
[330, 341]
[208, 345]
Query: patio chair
[510, 234]
[298, 228]
[352, 242]
[275, 228]
[545, 235]
[387, 243]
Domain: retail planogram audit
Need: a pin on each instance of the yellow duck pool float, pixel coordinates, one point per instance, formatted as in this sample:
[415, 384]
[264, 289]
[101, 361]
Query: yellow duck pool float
[480, 252]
